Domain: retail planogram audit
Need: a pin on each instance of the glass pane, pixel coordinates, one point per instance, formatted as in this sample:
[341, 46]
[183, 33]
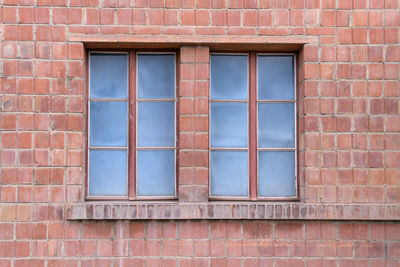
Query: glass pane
[156, 172]
[108, 173]
[229, 173]
[276, 174]
[108, 75]
[156, 124]
[276, 125]
[229, 77]
[108, 123]
[156, 76]
[275, 77]
[228, 124]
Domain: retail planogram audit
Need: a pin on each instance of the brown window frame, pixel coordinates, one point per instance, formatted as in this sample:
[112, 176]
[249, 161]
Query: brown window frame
[132, 126]
[253, 130]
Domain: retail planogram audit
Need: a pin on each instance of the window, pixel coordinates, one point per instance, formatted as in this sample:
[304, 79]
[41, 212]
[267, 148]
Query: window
[252, 126]
[132, 128]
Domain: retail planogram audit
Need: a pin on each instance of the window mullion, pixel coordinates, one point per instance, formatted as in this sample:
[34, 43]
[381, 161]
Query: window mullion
[253, 126]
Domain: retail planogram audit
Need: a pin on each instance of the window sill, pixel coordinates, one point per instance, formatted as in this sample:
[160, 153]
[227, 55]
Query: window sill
[230, 211]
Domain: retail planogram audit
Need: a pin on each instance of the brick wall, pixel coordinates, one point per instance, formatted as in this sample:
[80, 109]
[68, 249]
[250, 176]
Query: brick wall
[349, 134]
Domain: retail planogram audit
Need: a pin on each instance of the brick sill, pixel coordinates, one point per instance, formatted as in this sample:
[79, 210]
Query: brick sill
[231, 211]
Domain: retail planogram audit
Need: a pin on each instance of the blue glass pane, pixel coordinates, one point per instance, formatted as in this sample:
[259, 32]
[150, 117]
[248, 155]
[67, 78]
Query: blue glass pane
[156, 76]
[275, 77]
[276, 125]
[108, 75]
[228, 124]
[108, 123]
[156, 172]
[108, 173]
[229, 77]
[229, 173]
[276, 174]
[156, 124]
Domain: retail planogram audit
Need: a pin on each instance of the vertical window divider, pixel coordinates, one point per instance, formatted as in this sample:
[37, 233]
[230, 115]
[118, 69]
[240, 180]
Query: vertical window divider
[253, 126]
[132, 127]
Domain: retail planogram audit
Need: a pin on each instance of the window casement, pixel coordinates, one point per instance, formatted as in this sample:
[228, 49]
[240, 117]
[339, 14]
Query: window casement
[252, 142]
[132, 144]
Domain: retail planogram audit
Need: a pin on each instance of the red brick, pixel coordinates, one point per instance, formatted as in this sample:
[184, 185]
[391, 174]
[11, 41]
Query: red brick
[376, 124]
[343, 53]
[27, 50]
[328, 18]
[342, 18]
[376, 106]
[391, 71]
[360, 18]
[375, 18]
[376, 35]
[344, 36]
[375, 71]
[8, 194]
[391, 36]
[360, 53]
[10, 14]
[327, 71]
[360, 159]
[392, 159]
[392, 18]
[392, 53]
[188, 17]
[250, 18]
[281, 17]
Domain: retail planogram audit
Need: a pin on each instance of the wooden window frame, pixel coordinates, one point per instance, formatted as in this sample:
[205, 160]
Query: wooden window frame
[132, 124]
[252, 126]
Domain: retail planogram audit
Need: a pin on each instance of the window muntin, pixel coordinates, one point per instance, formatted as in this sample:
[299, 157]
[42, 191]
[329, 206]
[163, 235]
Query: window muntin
[270, 107]
[112, 128]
